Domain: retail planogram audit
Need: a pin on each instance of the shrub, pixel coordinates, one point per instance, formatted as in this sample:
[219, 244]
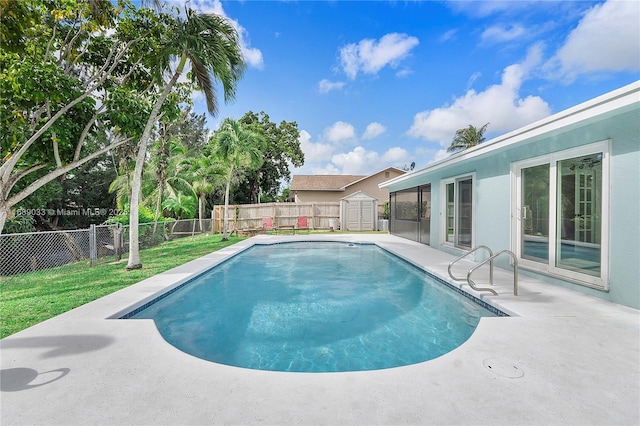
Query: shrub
[145, 215]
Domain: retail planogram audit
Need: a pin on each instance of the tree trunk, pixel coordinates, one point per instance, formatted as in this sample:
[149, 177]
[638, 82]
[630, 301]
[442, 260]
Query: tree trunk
[254, 196]
[226, 207]
[134, 242]
[201, 211]
[4, 212]
[158, 206]
[134, 248]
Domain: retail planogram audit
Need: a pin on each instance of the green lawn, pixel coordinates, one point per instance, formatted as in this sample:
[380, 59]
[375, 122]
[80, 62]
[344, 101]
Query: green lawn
[32, 298]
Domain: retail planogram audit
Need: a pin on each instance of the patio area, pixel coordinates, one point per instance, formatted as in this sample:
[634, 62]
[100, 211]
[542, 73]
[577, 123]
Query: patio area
[562, 358]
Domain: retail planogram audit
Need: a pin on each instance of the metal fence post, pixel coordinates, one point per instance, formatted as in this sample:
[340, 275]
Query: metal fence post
[93, 255]
[117, 241]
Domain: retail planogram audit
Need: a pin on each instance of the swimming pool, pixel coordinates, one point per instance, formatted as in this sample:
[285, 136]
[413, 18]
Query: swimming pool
[314, 307]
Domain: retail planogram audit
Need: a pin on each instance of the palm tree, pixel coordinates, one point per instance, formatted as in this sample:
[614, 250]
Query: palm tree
[182, 206]
[168, 153]
[202, 188]
[467, 137]
[205, 174]
[239, 148]
[211, 45]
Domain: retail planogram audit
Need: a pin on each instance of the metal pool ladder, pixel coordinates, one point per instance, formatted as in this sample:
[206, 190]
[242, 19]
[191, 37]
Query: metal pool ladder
[490, 259]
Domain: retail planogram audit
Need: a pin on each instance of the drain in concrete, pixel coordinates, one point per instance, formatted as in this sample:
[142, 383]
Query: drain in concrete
[503, 368]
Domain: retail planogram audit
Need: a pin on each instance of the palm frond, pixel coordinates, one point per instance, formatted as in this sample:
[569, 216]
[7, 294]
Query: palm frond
[467, 137]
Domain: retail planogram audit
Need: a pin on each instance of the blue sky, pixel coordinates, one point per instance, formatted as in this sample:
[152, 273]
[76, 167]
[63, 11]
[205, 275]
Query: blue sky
[387, 83]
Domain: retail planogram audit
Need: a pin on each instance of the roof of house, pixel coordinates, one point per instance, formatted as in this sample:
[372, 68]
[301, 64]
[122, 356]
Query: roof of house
[329, 182]
[322, 182]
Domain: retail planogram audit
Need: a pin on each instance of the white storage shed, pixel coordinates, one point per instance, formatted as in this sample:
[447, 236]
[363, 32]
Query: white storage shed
[359, 212]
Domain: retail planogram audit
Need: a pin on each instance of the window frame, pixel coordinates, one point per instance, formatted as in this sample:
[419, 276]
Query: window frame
[599, 282]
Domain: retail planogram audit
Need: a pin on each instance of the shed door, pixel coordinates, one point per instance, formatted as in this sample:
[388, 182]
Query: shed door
[353, 215]
[366, 218]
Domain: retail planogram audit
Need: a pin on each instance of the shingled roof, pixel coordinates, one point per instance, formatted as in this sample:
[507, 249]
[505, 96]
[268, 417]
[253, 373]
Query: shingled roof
[322, 182]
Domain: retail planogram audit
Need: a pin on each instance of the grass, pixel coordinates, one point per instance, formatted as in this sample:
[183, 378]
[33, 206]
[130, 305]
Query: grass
[31, 298]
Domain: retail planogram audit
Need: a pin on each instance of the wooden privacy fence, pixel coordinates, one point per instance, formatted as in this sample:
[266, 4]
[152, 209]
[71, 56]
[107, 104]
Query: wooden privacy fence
[249, 216]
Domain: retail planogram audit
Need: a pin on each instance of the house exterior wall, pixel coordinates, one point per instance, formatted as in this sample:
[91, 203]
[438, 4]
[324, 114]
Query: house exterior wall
[493, 193]
[303, 196]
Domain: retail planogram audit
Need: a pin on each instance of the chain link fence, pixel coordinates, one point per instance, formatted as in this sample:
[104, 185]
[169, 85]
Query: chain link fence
[35, 251]
[152, 234]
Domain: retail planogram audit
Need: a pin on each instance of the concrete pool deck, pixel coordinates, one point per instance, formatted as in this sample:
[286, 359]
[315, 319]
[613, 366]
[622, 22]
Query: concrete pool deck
[567, 358]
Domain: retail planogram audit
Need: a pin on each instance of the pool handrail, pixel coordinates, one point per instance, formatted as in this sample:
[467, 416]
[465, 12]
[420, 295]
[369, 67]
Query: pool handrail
[467, 254]
[472, 284]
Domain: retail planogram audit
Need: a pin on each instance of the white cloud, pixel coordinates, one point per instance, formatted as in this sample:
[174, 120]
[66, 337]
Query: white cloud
[361, 161]
[472, 79]
[325, 86]
[321, 158]
[404, 72]
[314, 152]
[394, 156]
[339, 132]
[370, 56]
[327, 169]
[373, 130]
[502, 33]
[252, 55]
[440, 155]
[482, 9]
[448, 35]
[358, 161]
[606, 39]
[500, 105]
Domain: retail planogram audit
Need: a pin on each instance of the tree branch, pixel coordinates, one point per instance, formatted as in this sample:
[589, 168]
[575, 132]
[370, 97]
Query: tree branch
[16, 178]
[85, 132]
[92, 85]
[60, 171]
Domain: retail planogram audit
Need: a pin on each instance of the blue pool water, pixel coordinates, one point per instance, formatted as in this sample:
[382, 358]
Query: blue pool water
[315, 307]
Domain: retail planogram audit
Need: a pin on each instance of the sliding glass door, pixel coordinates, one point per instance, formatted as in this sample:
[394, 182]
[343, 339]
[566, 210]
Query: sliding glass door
[579, 212]
[534, 241]
[560, 214]
[459, 212]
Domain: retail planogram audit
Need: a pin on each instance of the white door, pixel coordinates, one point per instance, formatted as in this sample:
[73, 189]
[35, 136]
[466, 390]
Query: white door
[366, 216]
[353, 215]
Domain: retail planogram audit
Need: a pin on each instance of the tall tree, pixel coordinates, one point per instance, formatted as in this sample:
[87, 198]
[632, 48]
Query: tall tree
[167, 153]
[206, 175]
[467, 137]
[52, 73]
[281, 150]
[238, 147]
[192, 132]
[210, 44]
